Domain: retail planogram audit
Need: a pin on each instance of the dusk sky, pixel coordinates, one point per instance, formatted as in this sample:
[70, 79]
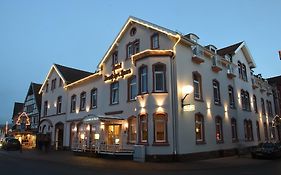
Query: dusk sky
[35, 34]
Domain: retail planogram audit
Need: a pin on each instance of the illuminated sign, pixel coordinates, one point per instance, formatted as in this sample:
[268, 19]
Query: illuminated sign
[189, 108]
[117, 73]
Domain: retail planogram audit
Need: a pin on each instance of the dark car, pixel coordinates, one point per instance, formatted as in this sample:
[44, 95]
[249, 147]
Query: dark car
[11, 144]
[266, 150]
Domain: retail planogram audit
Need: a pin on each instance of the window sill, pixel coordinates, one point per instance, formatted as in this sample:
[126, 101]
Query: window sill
[200, 142]
[143, 93]
[131, 143]
[112, 104]
[159, 92]
[199, 100]
[95, 107]
[220, 141]
[235, 141]
[142, 143]
[217, 104]
[161, 144]
[130, 101]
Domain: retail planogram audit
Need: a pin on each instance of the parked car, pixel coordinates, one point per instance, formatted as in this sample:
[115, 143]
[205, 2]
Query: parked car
[266, 150]
[10, 143]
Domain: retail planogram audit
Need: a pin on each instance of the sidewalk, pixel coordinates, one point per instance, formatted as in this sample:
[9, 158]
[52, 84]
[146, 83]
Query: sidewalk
[67, 157]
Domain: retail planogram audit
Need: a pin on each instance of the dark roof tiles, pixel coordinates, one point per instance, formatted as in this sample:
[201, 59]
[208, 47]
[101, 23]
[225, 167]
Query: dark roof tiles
[229, 49]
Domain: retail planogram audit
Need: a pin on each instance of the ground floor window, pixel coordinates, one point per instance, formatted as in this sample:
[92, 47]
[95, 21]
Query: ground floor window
[132, 129]
[234, 129]
[219, 132]
[248, 130]
[199, 128]
[160, 128]
[265, 131]
[143, 129]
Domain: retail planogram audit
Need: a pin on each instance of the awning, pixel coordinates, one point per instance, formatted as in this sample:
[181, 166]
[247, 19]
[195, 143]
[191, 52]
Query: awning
[95, 118]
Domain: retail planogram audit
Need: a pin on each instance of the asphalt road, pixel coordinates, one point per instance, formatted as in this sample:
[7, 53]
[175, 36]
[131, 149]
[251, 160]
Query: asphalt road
[65, 163]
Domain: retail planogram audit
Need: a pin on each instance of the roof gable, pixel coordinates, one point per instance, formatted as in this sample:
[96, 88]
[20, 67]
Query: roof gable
[18, 108]
[67, 74]
[126, 26]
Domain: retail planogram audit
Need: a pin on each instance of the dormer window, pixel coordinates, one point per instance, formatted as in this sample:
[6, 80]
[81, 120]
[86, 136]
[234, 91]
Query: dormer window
[192, 37]
[212, 48]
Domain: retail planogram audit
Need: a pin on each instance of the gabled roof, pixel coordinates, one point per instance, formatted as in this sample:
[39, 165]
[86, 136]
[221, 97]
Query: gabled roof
[34, 89]
[147, 24]
[67, 74]
[18, 108]
[233, 49]
[229, 49]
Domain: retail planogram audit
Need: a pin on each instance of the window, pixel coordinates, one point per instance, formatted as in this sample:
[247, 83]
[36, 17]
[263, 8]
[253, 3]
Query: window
[219, 132]
[159, 77]
[199, 128]
[94, 98]
[248, 130]
[255, 103]
[132, 130]
[216, 88]
[160, 128]
[59, 104]
[258, 130]
[265, 131]
[47, 87]
[45, 108]
[73, 103]
[197, 84]
[262, 106]
[231, 97]
[240, 69]
[269, 107]
[133, 31]
[114, 58]
[271, 132]
[244, 72]
[132, 88]
[155, 41]
[136, 46]
[133, 48]
[30, 108]
[245, 100]
[60, 83]
[114, 91]
[143, 129]
[129, 50]
[234, 130]
[53, 86]
[83, 101]
[143, 80]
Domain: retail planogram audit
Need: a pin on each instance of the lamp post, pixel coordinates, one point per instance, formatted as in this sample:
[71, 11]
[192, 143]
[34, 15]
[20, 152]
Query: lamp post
[186, 90]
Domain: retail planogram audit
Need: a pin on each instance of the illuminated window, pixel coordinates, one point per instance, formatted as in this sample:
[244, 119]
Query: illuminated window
[73, 103]
[114, 91]
[258, 130]
[219, 132]
[159, 77]
[53, 85]
[83, 101]
[45, 108]
[234, 129]
[143, 129]
[160, 128]
[231, 97]
[94, 98]
[59, 104]
[216, 89]
[132, 129]
[197, 85]
[155, 41]
[132, 88]
[248, 130]
[199, 128]
[143, 79]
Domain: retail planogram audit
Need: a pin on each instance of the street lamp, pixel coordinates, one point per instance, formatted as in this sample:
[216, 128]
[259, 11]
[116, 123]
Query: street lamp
[186, 90]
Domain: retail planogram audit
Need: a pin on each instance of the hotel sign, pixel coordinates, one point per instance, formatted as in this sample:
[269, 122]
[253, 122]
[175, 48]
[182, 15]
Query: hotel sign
[117, 73]
[189, 108]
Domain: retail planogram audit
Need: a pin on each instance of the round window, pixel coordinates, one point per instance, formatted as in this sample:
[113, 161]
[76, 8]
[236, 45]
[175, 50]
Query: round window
[133, 31]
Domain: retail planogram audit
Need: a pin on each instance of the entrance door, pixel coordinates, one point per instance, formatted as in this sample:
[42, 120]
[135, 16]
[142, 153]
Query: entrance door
[59, 136]
[113, 134]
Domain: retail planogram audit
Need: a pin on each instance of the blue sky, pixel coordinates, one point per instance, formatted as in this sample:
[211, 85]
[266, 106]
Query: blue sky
[34, 34]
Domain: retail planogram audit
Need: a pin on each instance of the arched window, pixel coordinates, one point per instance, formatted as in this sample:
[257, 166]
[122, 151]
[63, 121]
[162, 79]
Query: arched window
[143, 80]
[234, 130]
[143, 128]
[199, 128]
[132, 129]
[132, 88]
[160, 128]
[83, 101]
[159, 77]
[73, 103]
[242, 96]
[197, 85]
[216, 89]
[219, 130]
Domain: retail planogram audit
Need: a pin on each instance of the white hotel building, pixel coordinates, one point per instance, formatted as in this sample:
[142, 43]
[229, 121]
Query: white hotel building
[137, 101]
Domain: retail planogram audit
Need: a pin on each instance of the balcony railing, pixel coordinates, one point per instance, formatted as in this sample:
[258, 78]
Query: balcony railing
[198, 54]
[215, 65]
[230, 72]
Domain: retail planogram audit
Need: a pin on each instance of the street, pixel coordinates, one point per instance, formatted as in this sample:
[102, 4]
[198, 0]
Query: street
[63, 162]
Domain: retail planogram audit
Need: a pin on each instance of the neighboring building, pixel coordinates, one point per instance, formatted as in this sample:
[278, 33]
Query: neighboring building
[136, 100]
[26, 116]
